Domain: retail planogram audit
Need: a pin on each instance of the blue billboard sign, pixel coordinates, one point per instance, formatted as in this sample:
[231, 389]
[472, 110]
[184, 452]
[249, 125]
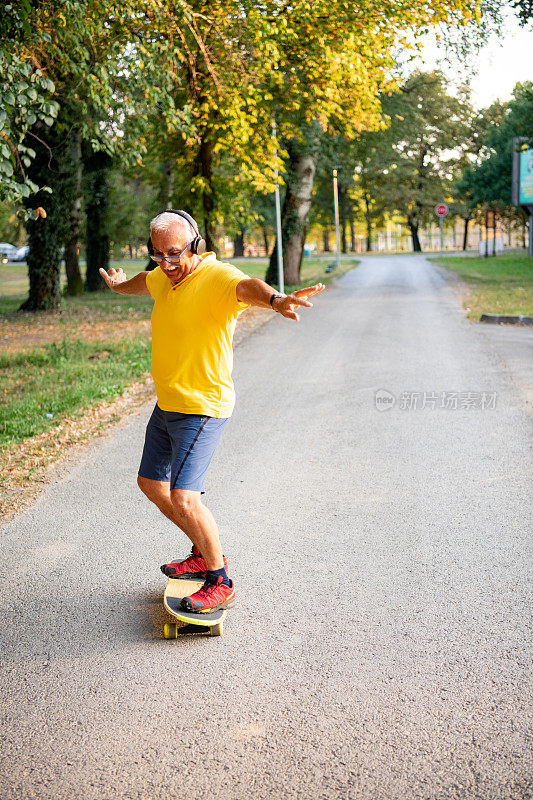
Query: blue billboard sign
[525, 180]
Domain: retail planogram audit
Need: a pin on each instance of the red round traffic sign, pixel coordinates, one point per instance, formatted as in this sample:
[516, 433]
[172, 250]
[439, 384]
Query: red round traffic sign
[441, 210]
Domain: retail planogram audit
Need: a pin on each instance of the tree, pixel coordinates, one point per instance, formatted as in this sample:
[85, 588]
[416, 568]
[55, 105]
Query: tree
[88, 51]
[334, 59]
[47, 232]
[464, 205]
[97, 166]
[72, 265]
[428, 128]
[486, 183]
[302, 154]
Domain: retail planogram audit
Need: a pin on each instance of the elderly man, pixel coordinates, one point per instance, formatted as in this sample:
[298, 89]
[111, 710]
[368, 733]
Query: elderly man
[197, 300]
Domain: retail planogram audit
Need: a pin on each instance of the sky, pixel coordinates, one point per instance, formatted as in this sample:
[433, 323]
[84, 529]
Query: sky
[506, 59]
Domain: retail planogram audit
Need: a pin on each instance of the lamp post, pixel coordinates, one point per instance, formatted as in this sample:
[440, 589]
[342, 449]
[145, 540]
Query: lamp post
[336, 207]
[278, 217]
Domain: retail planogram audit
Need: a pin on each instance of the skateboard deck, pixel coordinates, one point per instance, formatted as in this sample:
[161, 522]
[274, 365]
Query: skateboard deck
[209, 623]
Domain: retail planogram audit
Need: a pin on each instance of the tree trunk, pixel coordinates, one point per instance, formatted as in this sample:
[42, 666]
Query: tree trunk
[368, 220]
[44, 263]
[97, 166]
[327, 248]
[50, 167]
[208, 194]
[166, 187]
[413, 227]
[238, 245]
[265, 239]
[465, 236]
[72, 265]
[299, 186]
[352, 236]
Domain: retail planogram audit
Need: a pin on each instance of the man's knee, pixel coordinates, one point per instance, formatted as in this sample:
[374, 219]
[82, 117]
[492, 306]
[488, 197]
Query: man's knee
[184, 502]
[153, 490]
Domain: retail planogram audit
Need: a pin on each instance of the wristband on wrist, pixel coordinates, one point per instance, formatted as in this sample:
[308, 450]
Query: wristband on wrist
[273, 297]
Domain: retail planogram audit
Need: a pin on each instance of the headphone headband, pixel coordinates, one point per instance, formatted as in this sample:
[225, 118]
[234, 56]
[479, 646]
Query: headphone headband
[197, 246]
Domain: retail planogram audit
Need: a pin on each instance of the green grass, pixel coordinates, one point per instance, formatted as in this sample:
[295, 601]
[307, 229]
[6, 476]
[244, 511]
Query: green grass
[499, 284]
[62, 379]
[14, 286]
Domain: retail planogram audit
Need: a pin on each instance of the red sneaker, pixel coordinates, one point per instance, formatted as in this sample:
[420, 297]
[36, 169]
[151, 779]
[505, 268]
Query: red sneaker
[210, 597]
[193, 566]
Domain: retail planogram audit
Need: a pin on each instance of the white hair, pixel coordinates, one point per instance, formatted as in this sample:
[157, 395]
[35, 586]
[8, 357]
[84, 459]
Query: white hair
[166, 221]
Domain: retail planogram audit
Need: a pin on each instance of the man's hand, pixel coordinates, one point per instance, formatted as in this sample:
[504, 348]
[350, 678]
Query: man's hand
[117, 281]
[286, 305]
[114, 277]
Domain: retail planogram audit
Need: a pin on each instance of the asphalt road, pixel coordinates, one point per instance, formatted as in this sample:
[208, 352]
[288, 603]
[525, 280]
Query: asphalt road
[379, 648]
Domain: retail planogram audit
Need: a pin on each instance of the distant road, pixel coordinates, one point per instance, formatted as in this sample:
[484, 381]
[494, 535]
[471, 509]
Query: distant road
[379, 649]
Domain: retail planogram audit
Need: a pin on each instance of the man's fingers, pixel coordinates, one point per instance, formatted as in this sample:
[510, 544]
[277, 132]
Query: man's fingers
[318, 287]
[301, 302]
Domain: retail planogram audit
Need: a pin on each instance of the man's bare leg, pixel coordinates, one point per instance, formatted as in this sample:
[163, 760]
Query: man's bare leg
[185, 509]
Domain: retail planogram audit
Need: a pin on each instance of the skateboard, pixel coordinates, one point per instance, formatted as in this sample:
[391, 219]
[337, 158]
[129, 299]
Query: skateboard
[210, 623]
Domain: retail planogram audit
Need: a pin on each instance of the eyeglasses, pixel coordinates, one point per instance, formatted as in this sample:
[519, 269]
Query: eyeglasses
[171, 259]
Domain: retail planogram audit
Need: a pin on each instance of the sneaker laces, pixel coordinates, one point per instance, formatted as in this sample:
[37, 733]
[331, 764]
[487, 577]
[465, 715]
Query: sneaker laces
[209, 587]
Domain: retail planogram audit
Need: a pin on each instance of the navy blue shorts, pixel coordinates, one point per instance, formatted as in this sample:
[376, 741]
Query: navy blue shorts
[178, 448]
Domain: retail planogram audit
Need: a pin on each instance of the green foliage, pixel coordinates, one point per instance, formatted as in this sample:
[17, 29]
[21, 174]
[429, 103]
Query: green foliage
[93, 61]
[133, 202]
[487, 181]
[407, 165]
[463, 203]
[428, 127]
[524, 9]
[25, 99]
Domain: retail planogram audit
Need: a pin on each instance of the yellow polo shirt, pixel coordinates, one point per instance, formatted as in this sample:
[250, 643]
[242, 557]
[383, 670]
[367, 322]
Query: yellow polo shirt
[192, 334]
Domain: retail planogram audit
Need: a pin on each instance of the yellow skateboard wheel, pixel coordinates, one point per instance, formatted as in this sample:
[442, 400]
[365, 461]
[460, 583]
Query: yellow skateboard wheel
[170, 630]
[217, 630]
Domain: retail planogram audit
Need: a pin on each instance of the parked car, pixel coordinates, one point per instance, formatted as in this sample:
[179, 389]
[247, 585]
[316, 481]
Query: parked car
[6, 251]
[20, 253]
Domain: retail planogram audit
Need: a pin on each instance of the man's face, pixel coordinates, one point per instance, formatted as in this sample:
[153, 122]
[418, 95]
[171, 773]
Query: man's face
[170, 243]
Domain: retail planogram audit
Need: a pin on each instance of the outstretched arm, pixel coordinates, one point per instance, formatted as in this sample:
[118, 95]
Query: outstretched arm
[258, 293]
[117, 281]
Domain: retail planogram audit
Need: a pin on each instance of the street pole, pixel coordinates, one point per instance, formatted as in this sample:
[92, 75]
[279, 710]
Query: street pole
[278, 218]
[336, 206]
[441, 209]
